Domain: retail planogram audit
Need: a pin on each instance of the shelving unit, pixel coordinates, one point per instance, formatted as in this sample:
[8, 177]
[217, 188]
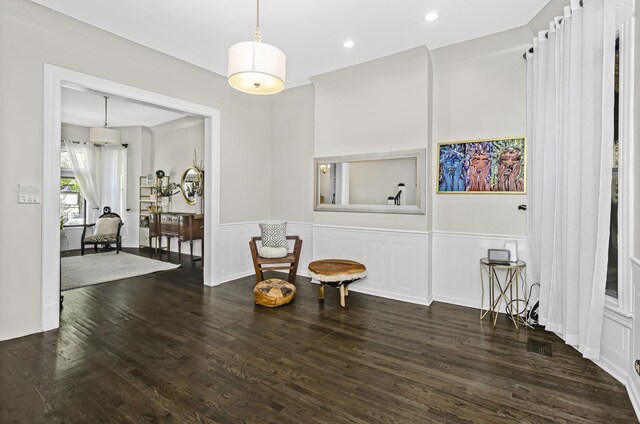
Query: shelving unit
[148, 198]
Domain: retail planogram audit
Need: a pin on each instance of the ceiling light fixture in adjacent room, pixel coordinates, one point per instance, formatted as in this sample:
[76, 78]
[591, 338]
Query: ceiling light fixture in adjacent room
[255, 67]
[431, 16]
[104, 135]
[349, 44]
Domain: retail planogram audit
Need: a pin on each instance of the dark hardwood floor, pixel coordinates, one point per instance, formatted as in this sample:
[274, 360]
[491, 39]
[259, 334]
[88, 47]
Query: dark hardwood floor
[163, 348]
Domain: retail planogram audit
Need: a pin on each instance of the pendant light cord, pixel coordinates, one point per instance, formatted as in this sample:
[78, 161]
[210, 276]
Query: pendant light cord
[105, 112]
[257, 37]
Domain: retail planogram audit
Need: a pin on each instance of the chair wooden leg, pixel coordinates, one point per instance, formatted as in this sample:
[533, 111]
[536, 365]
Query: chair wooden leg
[191, 249]
[256, 266]
[179, 248]
[346, 290]
[82, 249]
[321, 291]
[95, 246]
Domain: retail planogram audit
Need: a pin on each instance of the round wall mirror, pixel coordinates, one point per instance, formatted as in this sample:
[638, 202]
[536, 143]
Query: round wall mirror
[191, 184]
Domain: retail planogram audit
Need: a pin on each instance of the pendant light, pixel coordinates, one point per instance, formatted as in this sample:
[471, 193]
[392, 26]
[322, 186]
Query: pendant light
[104, 135]
[256, 67]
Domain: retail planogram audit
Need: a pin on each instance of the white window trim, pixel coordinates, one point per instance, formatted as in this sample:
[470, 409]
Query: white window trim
[623, 304]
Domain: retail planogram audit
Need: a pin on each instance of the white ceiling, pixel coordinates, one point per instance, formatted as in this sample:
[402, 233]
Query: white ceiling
[310, 33]
[86, 108]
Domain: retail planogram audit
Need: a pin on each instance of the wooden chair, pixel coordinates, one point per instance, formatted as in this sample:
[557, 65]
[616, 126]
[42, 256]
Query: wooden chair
[289, 262]
[104, 239]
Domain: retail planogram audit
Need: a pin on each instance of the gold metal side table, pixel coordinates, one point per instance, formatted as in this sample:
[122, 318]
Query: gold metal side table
[513, 276]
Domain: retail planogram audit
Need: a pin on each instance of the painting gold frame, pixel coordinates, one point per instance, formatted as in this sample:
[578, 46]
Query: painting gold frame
[482, 140]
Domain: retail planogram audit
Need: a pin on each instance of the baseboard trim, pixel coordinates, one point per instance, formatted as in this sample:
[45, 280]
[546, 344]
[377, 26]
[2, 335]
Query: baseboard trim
[386, 295]
[634, 395]
[236, 276]
[457, 301]
[50, 318]
[611, 369]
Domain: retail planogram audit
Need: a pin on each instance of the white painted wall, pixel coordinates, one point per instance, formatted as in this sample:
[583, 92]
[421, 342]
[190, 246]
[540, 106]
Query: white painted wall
[132, 136]
[378, 106]
[291, 157]
[174, 144]
[74, 132]
[479, 91]
[30, 36]
[541, 21]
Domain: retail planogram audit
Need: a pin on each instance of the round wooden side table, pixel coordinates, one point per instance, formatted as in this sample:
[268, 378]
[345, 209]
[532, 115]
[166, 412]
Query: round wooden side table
[336, 273]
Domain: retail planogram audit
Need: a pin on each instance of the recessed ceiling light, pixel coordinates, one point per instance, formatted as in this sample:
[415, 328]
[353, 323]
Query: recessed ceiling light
[348, 44]
[431, 16]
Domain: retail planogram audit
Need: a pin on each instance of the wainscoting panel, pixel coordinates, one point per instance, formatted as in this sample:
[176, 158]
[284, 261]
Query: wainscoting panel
[615, 345]
[396, 261]
[456, 267]
[633, 380]
[235, 257]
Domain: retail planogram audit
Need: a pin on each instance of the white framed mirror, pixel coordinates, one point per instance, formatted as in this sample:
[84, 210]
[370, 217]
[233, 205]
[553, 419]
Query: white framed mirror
[389, 182]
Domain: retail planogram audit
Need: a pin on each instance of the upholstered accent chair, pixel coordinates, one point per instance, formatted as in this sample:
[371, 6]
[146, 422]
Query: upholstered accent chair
[106, 232]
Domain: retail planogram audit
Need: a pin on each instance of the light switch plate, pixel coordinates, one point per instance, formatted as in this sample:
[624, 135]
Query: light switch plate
[28, 193]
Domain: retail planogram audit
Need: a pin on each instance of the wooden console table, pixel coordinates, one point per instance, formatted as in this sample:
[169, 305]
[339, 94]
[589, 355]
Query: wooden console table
[183, 226]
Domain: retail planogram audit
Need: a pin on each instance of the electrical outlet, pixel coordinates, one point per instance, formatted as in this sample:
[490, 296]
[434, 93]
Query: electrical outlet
[28, 193]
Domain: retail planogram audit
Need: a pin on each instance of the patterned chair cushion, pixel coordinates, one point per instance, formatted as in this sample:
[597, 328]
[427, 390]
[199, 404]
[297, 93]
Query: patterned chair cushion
[101, 238]
[107, 226]
[274, 235]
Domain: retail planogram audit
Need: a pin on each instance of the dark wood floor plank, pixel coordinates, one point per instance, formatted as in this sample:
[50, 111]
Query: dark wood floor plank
[163, 348]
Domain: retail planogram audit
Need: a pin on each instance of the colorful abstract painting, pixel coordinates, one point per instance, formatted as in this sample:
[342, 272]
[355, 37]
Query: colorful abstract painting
[482, 166]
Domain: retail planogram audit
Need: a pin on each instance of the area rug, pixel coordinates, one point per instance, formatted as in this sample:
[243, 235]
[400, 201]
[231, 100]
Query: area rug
[80, 271]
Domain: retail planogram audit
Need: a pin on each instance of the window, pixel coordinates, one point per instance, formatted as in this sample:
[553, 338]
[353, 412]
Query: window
[611, 288]
[72, 204]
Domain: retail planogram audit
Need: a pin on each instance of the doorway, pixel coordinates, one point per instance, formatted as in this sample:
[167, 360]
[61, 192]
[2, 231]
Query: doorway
[56, 79]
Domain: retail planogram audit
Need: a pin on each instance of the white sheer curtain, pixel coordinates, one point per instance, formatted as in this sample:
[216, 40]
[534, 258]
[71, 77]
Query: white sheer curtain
[114, 178]
[570, 132]
[86, 164]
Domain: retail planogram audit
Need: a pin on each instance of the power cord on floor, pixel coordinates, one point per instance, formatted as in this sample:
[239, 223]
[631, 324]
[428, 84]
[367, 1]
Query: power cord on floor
[531, 314]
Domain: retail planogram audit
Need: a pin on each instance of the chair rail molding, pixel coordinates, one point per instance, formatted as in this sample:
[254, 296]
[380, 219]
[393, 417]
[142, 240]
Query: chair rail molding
[55, 78]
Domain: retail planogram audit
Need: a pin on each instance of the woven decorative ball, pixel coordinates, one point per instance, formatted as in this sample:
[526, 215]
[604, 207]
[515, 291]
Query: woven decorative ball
[274, 292]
